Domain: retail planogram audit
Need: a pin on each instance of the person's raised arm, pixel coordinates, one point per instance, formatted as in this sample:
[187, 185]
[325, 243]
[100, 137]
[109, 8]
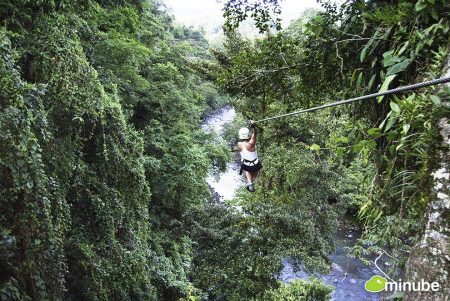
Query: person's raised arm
[252, 140]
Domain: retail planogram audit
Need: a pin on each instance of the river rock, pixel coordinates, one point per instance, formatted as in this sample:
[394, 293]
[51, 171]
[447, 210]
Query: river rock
[336, 268]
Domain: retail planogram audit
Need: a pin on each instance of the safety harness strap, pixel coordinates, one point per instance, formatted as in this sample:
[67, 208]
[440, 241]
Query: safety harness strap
[248, 163]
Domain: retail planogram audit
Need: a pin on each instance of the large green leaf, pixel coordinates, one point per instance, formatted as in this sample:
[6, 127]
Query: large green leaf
[390, 60]
[436, 100]
[399, 67]
[403, 48]
[395, 107]
[406, 128]
[390, 122]
[314, 147]
[374, 132]
[385, 86]
[420, 5]
[371, 81]
[362, 56]
[359, 80]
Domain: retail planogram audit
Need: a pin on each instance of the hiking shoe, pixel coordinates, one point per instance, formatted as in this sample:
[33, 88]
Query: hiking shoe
[251, 187]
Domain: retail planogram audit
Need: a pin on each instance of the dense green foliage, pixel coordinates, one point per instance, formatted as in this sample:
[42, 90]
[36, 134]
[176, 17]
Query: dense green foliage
[103, 162]
[264, 13]
[384, 150]
[101, 151]
[300, 290]
[379, 46]
[239, 257]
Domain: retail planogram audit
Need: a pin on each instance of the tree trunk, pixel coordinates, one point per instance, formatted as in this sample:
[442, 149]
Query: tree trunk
[430, 257]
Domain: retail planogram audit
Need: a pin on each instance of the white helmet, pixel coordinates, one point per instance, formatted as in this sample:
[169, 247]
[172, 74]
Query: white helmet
[244, 133]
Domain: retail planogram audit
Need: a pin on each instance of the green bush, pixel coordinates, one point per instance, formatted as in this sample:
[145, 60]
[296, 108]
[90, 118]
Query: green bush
[300, 290]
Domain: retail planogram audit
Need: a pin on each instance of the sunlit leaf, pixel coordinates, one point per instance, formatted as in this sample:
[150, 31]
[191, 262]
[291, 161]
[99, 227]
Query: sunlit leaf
[343, 139]
[394, 107]
[391, 59]
[385, 86]
[406, 128]
[314, 147]
[401, 50]
[420, 5]
[390, 122]
[376, 132]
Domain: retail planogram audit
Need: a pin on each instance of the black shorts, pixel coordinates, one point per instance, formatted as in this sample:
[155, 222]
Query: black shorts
[251, 168]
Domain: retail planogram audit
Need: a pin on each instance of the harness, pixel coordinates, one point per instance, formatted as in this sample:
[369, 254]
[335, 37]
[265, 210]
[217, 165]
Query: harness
[248, 163]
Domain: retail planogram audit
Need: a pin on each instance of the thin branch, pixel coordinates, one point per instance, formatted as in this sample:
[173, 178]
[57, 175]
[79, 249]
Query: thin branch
[263, 72]
[376, 265]
[349, 34]
[348, 40]
[357, 36]
[342, 60]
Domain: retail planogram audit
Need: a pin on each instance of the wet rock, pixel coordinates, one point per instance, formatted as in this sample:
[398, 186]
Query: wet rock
[336, 268]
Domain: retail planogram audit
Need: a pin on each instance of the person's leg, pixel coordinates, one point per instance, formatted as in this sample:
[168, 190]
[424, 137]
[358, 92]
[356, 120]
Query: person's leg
[248, 175]
[253, 176]
[249, 184]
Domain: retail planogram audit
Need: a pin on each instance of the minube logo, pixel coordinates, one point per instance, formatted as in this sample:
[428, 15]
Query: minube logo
[378, 283]
[375, 284]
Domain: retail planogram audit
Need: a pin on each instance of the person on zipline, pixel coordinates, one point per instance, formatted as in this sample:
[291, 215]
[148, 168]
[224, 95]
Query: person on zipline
[249, 158]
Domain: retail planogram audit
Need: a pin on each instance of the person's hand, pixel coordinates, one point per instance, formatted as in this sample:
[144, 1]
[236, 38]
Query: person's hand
[252, 124]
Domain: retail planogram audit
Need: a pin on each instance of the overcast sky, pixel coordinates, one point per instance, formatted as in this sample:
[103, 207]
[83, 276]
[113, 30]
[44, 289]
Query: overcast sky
[208, 13]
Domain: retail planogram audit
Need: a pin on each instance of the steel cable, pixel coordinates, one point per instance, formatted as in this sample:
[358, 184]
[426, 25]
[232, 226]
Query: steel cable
[416, 86]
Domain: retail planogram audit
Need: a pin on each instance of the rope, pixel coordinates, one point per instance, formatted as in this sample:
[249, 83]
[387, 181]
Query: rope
[433, 82]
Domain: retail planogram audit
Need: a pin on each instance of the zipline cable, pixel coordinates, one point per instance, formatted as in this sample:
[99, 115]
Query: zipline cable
[433, 82]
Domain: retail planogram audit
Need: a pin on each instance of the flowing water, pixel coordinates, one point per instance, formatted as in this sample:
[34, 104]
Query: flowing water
[223, 184]
[347, 275]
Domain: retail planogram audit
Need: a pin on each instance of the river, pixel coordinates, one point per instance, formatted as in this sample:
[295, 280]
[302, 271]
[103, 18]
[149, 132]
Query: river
[347, 275]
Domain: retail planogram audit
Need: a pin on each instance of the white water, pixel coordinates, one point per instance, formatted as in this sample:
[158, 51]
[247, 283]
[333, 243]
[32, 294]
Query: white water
[224, 184]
